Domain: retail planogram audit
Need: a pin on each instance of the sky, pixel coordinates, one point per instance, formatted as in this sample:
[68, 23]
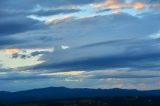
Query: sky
[79, 44]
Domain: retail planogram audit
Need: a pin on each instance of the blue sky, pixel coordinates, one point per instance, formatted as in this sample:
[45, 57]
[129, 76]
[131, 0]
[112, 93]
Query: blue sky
[79, 44]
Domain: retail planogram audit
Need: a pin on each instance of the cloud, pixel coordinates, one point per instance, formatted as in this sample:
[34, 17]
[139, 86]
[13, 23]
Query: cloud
[36, 53]
[137, 62]
[13, 17]
[120, 4]
[138, 5]
[116, 47]
[55, 12]
[123, 4]
[17, 24]
[126, 76]
[64, 47]
[8, 41]
[116, 40]
[9, 4]
[57, 19]
[26, 53]
[26, 76]
[122, 73]
[21, 56]
[11, 51]
[87, 35]
[26, 56]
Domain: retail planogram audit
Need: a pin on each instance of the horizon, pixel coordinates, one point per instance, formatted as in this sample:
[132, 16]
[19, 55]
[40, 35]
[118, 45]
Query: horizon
[77, 88]
[79, 44]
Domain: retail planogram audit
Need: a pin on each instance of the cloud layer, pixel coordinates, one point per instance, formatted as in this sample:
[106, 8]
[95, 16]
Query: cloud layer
[113, 43]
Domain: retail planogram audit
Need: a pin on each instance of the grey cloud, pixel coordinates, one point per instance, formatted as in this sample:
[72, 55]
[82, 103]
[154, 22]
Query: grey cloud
[126, 76]
[55, 12]
[5, 41]
[24, 77]
[67, 33]
[114, 41]
[65, 2]
[17, 24]
[26, 56]
[22, 56]
[138, 62]
[7, 70]
[36, 53]
[13, 17]
[30, 4]
[153, 1]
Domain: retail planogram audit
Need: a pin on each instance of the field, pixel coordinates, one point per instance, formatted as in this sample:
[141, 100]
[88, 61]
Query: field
[101, 101]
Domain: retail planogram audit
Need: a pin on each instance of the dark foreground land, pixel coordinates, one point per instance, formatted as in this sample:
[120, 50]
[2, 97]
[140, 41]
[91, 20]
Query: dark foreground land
[101, 101]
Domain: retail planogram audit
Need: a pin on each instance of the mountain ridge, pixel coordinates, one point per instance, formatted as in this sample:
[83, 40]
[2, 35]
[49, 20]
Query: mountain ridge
[63, 93]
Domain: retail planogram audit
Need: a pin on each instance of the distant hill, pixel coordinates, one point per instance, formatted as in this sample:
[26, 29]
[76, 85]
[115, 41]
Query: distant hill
[65, 93]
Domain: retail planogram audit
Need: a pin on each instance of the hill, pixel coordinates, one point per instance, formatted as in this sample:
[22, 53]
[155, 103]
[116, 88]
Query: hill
[66, 93]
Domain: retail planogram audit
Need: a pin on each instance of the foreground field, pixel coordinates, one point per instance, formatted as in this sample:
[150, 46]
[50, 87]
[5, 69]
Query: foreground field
[104, 101]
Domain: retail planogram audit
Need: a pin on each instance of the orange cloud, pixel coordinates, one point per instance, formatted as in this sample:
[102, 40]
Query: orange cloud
[11, 51]
[106, 3]
[54, 20]
[138, 5]
[116, 4]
